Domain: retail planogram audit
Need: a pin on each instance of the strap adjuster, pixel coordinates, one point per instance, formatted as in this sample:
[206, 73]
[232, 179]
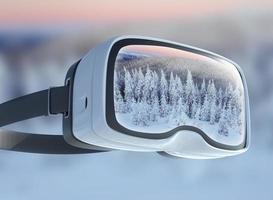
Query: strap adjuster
[58, 100]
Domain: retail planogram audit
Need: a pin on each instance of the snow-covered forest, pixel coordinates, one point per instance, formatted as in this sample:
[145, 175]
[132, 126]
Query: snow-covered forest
[156, 101]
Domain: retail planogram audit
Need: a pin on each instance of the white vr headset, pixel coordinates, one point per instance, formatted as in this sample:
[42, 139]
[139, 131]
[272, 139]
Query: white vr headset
[140, 94]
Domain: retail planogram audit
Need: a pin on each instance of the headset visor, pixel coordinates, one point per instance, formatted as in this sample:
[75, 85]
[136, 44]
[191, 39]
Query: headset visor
[158, 88]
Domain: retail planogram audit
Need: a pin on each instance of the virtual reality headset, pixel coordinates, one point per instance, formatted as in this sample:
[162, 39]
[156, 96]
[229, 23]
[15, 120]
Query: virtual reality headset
[144, 94]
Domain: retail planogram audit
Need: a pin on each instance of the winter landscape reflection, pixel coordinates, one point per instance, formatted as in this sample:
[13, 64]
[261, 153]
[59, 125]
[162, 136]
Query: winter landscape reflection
[156, 91]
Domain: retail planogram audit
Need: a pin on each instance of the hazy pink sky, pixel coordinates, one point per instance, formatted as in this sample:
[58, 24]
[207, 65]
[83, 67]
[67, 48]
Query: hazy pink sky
[166, 52]
[110, 11]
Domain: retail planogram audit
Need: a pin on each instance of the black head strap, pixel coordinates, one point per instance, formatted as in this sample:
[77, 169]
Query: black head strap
[42, 103]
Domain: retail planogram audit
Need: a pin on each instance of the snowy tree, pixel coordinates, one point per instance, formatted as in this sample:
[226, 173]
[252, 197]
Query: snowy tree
[228, 94]
[194, 107]
[147, 86]
[135, 80]
[229, 116]
[163, 92]
[223, 124]
[175, 83]
[118, 99]
[205, 110]
[173, 116]
[182, 118]
[189, 92]
[219, 105]
[236, 104]
[140, 116]
[197, 94]
[163, 86]
[231, 105]
[128, 91]
[172, 90]
[225, 121]
[139, 86]
[153, 100]
[154, 113]
[154, 85]
[180, 89]
[211, 91]
[197, 114]
[196, 102]
[203, 91]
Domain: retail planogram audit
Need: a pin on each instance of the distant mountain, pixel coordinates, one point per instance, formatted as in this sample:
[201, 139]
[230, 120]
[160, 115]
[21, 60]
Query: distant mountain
[200, 69]
[127, 56]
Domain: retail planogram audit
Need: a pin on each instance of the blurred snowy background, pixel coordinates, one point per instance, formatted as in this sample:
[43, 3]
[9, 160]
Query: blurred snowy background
[40, 40]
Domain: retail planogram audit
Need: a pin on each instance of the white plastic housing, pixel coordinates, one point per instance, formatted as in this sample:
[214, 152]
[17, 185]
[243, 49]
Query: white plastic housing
[90, 125]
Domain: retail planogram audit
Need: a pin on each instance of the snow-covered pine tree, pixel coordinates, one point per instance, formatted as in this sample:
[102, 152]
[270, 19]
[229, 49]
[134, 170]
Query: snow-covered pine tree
[196, 102]
[203, 91]
[154, 112]
[181, 104]
[236, 105]
[226, 119]
[219, 104]
[180, 89]
[189, 92]
[163, 85]
[177, 87]
[223, 123]
[228, 93]
[229, 104]
[147, 86]
[140, 85]
[172, 90]
[140, 116]
[173, 117]
[197, 93]
[181, 117]
[198, 111]
[128, 91]
[205, 109]
[134, 82]
[118, 99]
[212, 101]
[163, 92]
[229, 116]
[154, 84]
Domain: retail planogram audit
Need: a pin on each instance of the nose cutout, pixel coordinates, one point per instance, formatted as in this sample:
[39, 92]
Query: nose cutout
[190, 144]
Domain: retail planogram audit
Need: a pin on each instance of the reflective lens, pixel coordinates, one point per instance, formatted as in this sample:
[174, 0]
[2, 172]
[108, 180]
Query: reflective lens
[157, 89]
